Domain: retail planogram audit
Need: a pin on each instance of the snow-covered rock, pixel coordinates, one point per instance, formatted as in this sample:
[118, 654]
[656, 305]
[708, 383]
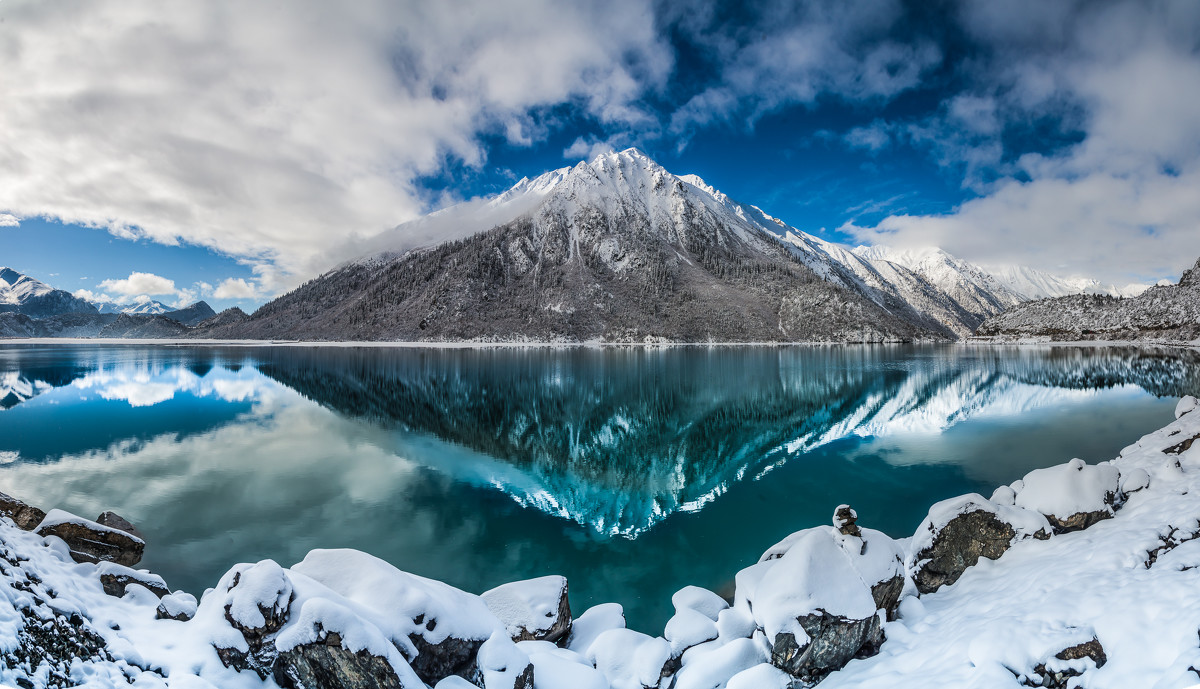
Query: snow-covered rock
[535, 609]
[959, 531]
[116, 577]
[1072, 496]
[179, 606]
[592, 623]
[438, 627]
[1186, 404]
[503, 665]
[90, 541]
[629, 659]
[699, 599]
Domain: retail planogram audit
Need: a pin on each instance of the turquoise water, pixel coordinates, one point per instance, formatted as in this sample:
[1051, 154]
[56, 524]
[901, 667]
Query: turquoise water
[631, 471]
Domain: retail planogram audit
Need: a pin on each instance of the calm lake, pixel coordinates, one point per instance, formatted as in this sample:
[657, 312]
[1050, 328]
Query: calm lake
[631, 471]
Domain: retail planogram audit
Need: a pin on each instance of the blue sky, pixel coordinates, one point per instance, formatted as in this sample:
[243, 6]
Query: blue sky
[228, 151]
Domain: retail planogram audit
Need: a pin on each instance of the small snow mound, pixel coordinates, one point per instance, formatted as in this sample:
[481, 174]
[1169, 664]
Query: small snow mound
[689, 628]
[716, 667]
[592, 623]
[1187, 404]
[531, 608]
[701, 600]
[761, 676]
[502, 663]
[1134, 480]
[629, 659]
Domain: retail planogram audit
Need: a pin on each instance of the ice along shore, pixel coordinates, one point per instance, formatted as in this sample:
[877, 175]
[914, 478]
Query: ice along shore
[1075, 575]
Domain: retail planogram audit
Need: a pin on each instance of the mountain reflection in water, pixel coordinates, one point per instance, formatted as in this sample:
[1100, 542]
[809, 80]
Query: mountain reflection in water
[479, 466]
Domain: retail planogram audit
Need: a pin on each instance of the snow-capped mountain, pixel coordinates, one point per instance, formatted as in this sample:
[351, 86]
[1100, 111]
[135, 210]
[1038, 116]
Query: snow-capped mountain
[22, 294]
[1035, 284]
[615, 249]
[150, 307]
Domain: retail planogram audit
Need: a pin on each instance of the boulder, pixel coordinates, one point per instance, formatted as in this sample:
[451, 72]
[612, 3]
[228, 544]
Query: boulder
[592, 623]
[179, 606]
[116, 577]
[437, 627]
[532, 610]
[959, 531]
[256, 599]
[718, 666]
[92, 542]
[815, 602]
[327, 665]
[115, 521]
[701, 600]
[845, 520]
[1072, 496]
[688, 628]
[24, 516]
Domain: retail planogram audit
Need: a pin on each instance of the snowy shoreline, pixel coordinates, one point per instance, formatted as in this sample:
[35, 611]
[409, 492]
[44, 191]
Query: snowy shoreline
[1075, 575]
[981, 342]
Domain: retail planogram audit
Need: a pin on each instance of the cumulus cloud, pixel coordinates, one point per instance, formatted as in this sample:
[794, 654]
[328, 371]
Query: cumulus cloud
[235, 288]
[1117, 199]
[275, 130]
[794, 52]
[7, 220]
[139, 284]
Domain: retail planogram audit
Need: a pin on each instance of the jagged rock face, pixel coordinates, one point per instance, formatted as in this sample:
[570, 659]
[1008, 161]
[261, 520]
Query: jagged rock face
[1191, 276]
[435, 662]
[834, 642]
[887, 595]
[959, 545]
[328, 665]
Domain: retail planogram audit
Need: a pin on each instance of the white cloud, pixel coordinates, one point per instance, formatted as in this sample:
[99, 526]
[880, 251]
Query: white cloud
[88, 295]
[235, 288]
[276, 131]
[139, 284]
[1119, 204]
[7, 220]
[796, 52]
[875, 137]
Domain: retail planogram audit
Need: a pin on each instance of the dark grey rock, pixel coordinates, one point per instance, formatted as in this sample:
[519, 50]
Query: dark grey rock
[887, 595]
[435, 662]
[93, 542]
[115, 521]
[845, 519]
[261, 655]
[959, 545]
[327, 665]
[114, 579]
[834, 641]
[1078, 521]
[25, 516]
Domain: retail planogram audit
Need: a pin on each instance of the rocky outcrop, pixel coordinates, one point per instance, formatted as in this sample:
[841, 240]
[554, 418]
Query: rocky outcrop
[960, 531]
[90, 541]
[326, 665]
[24, 516]
[257, 602]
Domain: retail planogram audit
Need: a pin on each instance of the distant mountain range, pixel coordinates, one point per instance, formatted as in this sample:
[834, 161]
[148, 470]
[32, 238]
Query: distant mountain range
[1162, 312]
[31, 308]
[614, 250]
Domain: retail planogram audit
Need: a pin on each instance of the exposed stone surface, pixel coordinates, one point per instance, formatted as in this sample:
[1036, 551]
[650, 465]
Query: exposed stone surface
[115, 521]
[834, 642]
[115, 578]
[1059, 678]
[328, 665]
[959, 545]
[93, 542]
[273, 610]
[25, 516]
[887, 594]
[179, 606]
[435, 662]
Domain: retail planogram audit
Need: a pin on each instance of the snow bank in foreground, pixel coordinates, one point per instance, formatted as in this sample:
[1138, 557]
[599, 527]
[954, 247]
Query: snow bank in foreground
[1111, 603]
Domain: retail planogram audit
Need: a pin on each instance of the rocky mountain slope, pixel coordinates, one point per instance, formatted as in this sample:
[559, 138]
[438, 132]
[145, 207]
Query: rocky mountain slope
[615, 250]
[1162, 312]
[24, 295]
